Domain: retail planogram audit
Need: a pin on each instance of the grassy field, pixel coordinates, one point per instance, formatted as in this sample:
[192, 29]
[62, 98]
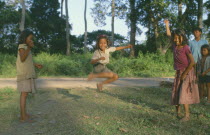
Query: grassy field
[116, 111]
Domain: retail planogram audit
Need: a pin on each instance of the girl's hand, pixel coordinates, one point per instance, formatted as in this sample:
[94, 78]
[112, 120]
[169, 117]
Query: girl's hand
[102, 58]
[39, 66]
[203, 74]
[166, 21]
[129, 46]
[183, 76]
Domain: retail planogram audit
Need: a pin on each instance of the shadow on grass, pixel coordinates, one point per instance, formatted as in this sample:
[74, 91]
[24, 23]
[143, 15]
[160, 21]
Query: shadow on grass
[66, 93]
[153, 97]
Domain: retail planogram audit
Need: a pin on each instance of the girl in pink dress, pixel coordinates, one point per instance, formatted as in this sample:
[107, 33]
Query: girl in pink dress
[185, 88]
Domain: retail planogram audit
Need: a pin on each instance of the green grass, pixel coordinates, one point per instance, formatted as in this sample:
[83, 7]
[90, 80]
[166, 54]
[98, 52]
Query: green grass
[116, 111]
[78, 65]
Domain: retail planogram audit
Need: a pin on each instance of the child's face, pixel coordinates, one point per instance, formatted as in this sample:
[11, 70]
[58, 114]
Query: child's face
[205, 52]
[103, 44]
[29, 40]
[197, 34]
[178, 39]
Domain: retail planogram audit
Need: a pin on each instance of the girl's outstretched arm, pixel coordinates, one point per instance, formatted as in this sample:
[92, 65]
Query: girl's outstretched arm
[168, 32]
[124, 47]
[192, 63]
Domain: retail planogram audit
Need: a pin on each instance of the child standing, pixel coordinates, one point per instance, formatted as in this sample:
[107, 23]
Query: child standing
[195, 45]
[185, 89]
[204, 71]
[25, 71]
[100, 59]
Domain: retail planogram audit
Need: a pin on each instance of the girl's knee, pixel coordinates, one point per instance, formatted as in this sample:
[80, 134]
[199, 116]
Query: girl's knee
[24, 94]
[115, 76]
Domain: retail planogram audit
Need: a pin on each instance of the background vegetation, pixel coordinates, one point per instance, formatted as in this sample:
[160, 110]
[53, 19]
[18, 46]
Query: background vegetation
[151, 58]
[78, 65]
[45, 19]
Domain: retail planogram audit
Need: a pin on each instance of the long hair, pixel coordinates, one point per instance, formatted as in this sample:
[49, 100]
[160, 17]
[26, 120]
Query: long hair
[98, 40]
[206, 46]
[180, 33]
[23, 35]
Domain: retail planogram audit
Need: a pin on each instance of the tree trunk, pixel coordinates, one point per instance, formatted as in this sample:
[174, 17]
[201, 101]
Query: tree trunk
[179, 10]
[200, 13]
[155, 28]
[67, 30]
[85, 35]
[113, 16]
[133, 21]
[62, 8]
[22, 23]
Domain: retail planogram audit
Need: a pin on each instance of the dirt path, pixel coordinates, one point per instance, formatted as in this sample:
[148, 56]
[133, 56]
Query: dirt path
[82, 82]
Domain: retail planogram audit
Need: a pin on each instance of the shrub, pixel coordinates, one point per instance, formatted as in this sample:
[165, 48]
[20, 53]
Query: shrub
[78, 65]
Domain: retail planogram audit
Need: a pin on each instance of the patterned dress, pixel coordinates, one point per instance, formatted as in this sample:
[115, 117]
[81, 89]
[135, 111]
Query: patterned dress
[186, 91]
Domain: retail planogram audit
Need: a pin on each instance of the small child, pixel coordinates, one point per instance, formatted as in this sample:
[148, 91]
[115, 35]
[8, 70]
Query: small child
[100, 59]
[204, 71]
[25, 71]
[185, 88]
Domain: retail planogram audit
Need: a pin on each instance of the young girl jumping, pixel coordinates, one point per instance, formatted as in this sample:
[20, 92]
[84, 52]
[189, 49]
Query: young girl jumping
[185, 88]
[204, 71]
[25, 71]
[100, 59]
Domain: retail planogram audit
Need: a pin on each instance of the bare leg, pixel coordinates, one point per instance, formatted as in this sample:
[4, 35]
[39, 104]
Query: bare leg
[23, 115]
[201, 90]
[111, 77]
[208, 92]
[178, 110]
[187, 113]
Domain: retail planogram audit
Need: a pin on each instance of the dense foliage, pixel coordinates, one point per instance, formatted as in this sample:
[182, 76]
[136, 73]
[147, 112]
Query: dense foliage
[43, 17]
[78, 65]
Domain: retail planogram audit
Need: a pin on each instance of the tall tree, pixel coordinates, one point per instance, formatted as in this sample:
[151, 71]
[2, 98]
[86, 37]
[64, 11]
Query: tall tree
[9, 27]
[151, 15]
[207, 21]
[22, 22]
[179, 10]
[133, 22]
[67, 30]
[200, 14]
[62, 8]
[113, 16]
[48, 26]
[85, 20]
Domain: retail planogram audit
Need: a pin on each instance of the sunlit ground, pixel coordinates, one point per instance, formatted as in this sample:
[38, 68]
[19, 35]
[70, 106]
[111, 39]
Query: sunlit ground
[116, 111]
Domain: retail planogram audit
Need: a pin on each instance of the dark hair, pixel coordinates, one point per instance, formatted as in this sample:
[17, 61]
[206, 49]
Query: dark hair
[207, 47]
[197, 29]
[180, 32]
[23, 35]
[98, 40]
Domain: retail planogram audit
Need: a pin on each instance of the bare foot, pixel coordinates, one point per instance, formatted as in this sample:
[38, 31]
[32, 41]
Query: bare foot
[26, 119]
[99, 87]
[90, 76]
[185, 119]
[178, 115]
